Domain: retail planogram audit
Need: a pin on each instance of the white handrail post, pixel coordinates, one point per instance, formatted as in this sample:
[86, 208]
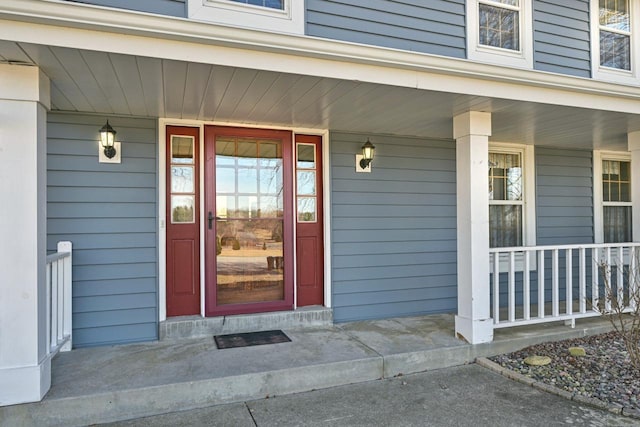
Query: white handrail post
[67, 246]
[512, 287]
[541, 284]
[595, 278]
[555, 288]
[583, 281]
[496, 287]
[633, 278]
[569, 281]
[526, 286]
[620, 278]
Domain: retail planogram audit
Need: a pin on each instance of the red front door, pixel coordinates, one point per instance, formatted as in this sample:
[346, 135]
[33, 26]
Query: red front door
[183, 225]
[249, 221]
[309, 223]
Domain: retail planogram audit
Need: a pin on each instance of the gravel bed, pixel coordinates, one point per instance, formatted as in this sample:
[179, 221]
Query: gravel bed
[605, 373]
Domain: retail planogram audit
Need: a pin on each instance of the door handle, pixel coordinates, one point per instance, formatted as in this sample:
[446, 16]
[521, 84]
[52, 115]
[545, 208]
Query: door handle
[210, 218]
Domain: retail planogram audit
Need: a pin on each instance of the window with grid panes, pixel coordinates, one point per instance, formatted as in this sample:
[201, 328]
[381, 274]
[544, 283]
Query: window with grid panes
[616, 200]
[506, 201]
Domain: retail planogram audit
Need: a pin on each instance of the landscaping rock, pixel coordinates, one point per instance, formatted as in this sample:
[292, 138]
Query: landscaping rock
[577, 351]
[536, 360]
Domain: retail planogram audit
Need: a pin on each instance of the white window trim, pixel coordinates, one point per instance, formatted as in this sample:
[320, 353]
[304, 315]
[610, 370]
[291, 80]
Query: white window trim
[598, 203]
[527, 154]
[290, 20]
[607, 73]
[520, 59]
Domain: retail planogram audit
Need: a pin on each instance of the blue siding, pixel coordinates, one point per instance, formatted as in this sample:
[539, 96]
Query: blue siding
[161, 7]
[429, 26]
[564, 196]
[109, 212]
[561, 37]
[393, 230]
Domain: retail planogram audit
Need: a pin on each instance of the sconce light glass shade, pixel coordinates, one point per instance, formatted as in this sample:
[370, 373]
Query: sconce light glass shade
[368, 151]
[107, 139]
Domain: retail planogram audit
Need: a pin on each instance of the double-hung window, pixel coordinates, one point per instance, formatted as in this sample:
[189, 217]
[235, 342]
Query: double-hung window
[506, 200]
[614, 40]
[612, 196]
[500, 31]
[616, 201]
[282, 16]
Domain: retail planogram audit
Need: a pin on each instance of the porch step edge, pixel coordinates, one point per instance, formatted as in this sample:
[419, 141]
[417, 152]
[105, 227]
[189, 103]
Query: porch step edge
[197, 327]
[161, 399]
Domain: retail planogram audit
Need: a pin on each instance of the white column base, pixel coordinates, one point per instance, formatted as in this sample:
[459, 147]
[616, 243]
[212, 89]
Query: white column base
[474, 331]
[25, 384]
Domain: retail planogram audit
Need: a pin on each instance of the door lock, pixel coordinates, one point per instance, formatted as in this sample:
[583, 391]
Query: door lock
[210, 218]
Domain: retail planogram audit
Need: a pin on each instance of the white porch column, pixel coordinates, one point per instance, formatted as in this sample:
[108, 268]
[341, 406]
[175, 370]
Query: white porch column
[633, 141]
[25, 371]
[471, 131]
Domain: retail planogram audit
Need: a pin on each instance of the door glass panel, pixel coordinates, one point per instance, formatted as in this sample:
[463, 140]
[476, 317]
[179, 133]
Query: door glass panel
[182, 209]
[182, 149]
[250, 262]
[306, 183]
[182, 179]
[306, 156]
[306, 209]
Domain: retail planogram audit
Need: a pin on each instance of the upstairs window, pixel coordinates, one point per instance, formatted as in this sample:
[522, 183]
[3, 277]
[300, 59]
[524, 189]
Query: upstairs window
[499, 24]
[615, 34]
[281, 16]
[614, 40]
[500, 31]
[272, 4]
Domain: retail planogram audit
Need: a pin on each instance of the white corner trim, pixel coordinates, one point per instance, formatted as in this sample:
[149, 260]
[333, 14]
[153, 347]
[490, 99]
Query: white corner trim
[477, 52]
[289, 20]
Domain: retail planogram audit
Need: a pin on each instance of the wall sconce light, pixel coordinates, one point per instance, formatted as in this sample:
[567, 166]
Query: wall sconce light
[363, 161]
[110, 149]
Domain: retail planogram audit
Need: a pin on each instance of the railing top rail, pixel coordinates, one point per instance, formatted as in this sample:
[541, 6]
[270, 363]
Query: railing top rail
[56, 256]
[575, 246]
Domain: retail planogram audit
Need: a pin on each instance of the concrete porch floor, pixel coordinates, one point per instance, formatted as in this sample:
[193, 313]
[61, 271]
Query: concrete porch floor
[106, 384]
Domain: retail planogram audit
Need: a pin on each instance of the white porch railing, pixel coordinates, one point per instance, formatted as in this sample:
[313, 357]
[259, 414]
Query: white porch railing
[59, 299]
[540, 284]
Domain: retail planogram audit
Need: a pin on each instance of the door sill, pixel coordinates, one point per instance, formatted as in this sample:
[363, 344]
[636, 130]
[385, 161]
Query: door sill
[185, 327]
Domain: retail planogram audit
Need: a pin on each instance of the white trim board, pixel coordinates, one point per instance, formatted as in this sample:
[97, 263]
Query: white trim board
[162, 230]
[141, 34]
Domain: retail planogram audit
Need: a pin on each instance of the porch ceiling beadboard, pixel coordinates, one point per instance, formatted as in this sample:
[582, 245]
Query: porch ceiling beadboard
[106, 83]
[109, 212]
[393, 230]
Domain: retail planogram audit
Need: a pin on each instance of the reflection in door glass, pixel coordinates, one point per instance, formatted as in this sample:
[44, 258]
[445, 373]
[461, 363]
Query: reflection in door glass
[250, 255]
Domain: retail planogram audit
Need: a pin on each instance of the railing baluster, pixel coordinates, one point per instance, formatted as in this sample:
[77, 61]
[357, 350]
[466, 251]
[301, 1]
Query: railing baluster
[48, 307]
[583, 281]
[496, 288]
[541, 284]
[620, 278]
[555, 288]
[569, 281]
[595, 278]
[526, 287]
[607, 282]
[633, 278]
[512, 286]
[60, 283]
[53, 332]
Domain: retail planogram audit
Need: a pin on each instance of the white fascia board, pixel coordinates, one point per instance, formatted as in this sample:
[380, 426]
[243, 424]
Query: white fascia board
[79, 26]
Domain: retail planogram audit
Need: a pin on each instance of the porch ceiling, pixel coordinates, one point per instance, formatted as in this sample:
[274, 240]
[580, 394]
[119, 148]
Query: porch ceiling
[107, 83]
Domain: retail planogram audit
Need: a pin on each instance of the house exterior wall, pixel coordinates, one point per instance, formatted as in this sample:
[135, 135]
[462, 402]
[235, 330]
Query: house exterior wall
[109, 212]
[429, 26]
[393, 231]
[564, 193]
[161, 7]
[561, 37]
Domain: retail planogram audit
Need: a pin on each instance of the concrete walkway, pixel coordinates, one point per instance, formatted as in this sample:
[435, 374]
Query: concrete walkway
[107, 384]
[460, 396]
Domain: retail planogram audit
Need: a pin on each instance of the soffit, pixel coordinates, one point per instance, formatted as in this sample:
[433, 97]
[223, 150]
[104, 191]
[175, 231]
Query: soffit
[109, 83]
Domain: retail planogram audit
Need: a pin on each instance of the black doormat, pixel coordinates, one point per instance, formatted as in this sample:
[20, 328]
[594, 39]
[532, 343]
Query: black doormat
[250, 338]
